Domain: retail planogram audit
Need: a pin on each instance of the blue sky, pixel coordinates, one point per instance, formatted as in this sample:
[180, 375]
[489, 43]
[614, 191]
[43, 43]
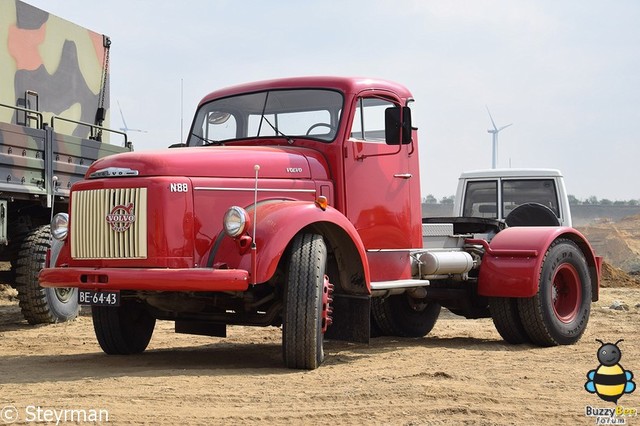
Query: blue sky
[565, 73]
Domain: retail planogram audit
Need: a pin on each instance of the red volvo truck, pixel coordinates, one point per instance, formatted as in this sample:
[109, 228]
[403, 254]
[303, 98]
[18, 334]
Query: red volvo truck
[296, 203]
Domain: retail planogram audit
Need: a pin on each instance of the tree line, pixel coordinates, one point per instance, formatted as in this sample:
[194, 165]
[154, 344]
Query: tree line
[594, 201]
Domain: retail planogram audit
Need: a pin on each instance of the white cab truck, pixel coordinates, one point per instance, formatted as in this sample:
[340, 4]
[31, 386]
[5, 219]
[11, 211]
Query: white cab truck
[519, 197]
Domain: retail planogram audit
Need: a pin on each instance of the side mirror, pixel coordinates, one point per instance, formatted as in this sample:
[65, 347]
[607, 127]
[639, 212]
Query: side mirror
[178, 145]
[397, 125]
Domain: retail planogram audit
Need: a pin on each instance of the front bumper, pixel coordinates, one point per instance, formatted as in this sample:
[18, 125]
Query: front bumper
[150, 279]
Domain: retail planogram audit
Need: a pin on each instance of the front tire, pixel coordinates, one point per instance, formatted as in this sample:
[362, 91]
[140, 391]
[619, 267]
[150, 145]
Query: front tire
[403, 316]
[41, 305]
[123, 330]
[558, 314]
[302, 335]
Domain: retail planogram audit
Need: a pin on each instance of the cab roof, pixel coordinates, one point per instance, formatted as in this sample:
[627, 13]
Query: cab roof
[511, 173]
[348, 85]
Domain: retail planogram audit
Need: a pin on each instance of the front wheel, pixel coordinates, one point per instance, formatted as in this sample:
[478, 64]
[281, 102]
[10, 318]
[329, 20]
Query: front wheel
[306, 311]
[123, 330]
[558, 314]
[41, 305]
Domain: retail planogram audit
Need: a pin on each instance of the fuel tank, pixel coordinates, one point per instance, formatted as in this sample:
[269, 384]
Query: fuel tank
[445, 262]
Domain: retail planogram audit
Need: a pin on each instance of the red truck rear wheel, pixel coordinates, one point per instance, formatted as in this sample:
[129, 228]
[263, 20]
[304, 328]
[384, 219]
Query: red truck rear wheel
[302, 337]
[401, 315]
[559, 312]
[506, 318]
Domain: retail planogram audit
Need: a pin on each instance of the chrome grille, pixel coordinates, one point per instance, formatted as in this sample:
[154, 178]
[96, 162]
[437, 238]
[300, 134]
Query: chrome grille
[109, 224]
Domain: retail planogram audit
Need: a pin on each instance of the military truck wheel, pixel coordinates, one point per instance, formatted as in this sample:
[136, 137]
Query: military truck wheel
[123, 330]
[305, 315]
[403, 316]
[559, 312]
[506, 318]
[41, 305]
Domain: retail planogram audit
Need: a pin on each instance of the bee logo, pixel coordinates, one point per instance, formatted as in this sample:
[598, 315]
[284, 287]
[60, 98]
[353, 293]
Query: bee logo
[609, 381]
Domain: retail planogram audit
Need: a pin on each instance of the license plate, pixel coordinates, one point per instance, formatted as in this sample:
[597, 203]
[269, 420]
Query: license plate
[99, 298]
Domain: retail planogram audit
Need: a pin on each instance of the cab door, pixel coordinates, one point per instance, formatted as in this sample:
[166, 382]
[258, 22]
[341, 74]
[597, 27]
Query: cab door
[382, 189]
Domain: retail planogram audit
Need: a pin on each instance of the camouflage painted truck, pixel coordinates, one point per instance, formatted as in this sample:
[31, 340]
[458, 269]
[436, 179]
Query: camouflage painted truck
[296, 203]
[53, 106]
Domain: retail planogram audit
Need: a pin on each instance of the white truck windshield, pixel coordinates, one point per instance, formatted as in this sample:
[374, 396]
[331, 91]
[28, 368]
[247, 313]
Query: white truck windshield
[481, 199]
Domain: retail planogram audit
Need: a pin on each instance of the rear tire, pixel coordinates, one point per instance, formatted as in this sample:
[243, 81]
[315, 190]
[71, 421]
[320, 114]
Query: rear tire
[558, 314]
[403, 316]
[123, 330]
[41, 305]
[302, 337]
[506, 318]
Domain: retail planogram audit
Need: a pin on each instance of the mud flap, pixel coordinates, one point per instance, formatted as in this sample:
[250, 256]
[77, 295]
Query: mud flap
[351, 318]
[201, 328]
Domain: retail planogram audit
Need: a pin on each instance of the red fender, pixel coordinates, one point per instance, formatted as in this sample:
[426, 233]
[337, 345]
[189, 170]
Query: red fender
[512, 262]
[277, 224]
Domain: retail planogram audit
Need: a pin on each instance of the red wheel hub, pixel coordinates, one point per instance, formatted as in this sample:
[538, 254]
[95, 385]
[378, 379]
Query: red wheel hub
[566, 293]
[327, 298]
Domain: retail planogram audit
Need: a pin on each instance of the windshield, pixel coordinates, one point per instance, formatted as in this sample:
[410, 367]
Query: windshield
[310, 113]
[481, 197]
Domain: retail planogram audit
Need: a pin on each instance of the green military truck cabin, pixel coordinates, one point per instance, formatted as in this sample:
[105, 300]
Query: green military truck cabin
[54, 109]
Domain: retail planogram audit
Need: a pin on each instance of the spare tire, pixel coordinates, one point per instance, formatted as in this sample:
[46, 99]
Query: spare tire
[532, 214]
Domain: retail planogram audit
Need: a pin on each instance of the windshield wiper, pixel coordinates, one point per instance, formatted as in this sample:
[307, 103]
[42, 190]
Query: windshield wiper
[207, 142]
[278, 132]
[275, 129]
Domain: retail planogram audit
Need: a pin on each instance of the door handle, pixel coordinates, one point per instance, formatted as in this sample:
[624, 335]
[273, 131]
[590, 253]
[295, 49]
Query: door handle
[403, 175]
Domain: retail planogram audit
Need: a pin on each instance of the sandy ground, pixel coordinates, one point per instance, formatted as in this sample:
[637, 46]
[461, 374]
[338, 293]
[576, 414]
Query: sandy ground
[462, 373]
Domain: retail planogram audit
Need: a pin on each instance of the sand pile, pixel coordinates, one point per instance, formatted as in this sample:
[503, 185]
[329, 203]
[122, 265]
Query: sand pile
[616, 277]
[618, 242]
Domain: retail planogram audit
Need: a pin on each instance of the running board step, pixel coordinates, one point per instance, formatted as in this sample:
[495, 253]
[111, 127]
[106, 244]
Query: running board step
[391, 285]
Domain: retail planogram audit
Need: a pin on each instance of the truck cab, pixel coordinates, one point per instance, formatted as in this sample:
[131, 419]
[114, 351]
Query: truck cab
[516, 196]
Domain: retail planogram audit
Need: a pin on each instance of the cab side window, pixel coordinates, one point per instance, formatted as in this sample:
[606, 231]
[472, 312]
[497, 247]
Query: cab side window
[481, 199]
[368, 122]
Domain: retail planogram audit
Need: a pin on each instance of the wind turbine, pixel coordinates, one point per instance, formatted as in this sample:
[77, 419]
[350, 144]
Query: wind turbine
[494, 133]
[124, 123]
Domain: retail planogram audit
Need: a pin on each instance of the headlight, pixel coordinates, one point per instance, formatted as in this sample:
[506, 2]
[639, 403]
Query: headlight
[60, 226]
[235, 221]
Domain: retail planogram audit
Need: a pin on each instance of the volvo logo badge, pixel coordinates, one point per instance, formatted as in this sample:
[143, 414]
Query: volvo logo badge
[121, 217]
[113, 172]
